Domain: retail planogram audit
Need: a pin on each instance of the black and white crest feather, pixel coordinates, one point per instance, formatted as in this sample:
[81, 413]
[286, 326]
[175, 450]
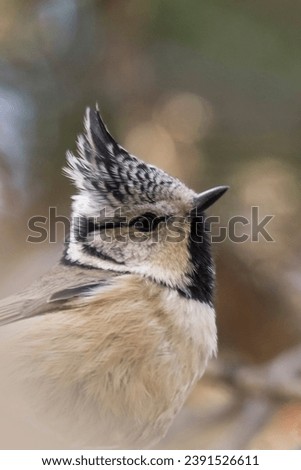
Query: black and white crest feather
[111, 174]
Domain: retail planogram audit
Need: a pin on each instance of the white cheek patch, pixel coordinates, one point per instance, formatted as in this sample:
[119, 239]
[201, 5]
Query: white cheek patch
[76, 255]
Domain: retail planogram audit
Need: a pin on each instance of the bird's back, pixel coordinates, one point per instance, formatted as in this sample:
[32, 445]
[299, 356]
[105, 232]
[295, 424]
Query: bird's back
[45, 294]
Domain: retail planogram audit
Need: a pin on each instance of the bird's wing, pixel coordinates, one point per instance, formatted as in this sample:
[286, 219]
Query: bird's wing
[53, 291]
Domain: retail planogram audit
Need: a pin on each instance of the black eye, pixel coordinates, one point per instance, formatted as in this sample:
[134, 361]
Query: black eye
[146, 222]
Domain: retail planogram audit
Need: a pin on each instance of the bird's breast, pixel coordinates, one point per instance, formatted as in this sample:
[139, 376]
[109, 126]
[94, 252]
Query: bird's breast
[121, 362]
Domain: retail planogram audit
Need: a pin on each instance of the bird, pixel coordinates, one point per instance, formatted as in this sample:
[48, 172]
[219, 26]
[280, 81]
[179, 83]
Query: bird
[111, 341]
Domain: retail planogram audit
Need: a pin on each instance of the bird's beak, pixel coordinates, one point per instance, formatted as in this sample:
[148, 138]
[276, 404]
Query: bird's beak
[209, 197]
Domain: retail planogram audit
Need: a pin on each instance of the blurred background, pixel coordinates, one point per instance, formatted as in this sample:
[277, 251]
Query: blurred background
[209, 91]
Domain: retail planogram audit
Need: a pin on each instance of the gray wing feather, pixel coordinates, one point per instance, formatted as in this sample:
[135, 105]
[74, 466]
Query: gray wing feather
[77, 291]
[46, 294]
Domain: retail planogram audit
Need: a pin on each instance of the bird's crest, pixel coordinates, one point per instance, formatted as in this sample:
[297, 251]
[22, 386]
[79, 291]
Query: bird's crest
[114, 177]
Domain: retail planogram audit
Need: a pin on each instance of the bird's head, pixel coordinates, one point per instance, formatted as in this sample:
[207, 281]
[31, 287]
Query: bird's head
[128, 216]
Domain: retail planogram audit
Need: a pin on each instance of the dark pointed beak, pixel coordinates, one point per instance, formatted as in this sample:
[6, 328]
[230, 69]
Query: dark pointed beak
[209, 197]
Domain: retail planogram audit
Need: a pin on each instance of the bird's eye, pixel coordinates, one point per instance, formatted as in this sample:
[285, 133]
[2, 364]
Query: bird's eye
[146, 222]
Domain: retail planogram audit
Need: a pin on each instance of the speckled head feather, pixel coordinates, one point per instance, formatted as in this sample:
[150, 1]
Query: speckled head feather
[112, 175]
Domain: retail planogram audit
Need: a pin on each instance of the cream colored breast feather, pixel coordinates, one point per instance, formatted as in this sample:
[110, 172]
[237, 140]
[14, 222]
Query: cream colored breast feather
[118, 365]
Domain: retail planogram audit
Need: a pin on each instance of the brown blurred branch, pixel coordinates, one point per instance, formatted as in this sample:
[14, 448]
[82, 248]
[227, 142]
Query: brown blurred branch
[278, 379]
